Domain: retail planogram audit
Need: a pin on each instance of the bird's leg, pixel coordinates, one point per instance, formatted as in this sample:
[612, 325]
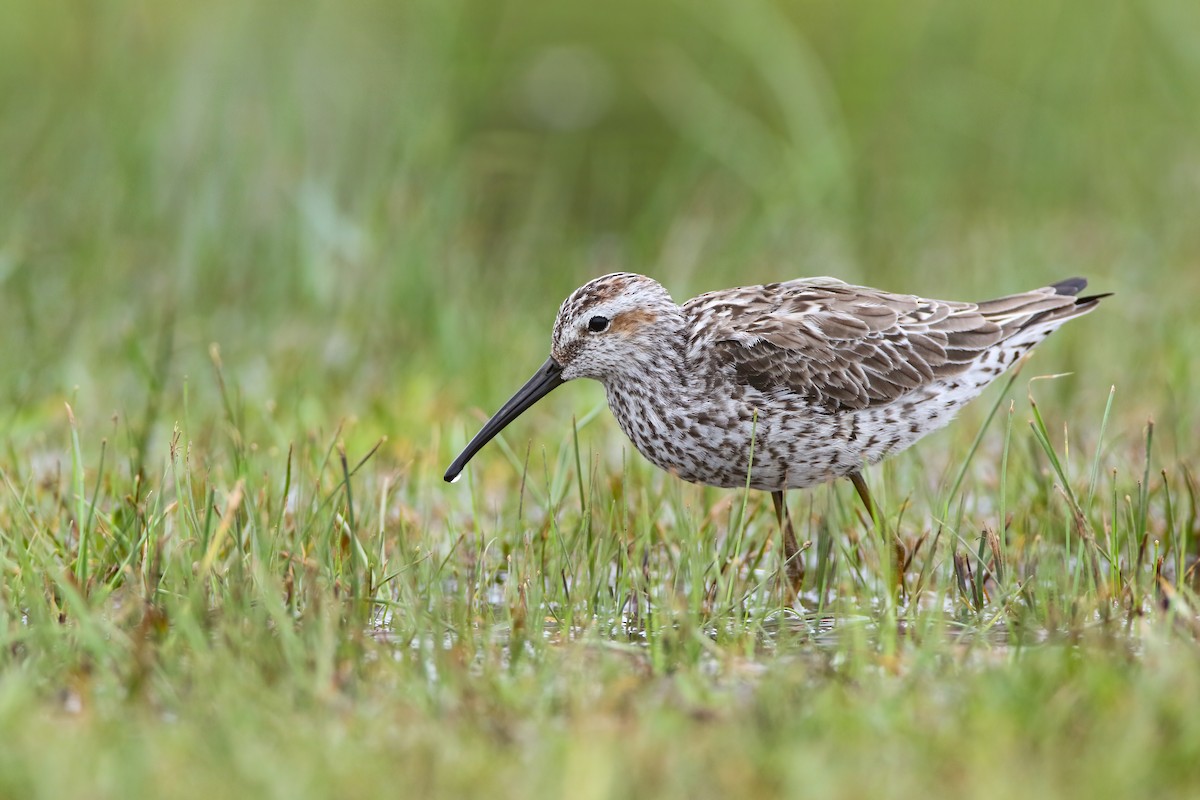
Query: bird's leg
[901, 553]
[793, 563]
[864, 494]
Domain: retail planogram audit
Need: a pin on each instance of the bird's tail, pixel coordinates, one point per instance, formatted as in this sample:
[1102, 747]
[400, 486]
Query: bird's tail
[1029, 317]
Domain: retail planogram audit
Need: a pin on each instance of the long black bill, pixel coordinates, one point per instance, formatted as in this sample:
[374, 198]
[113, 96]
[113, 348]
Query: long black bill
[546, 379]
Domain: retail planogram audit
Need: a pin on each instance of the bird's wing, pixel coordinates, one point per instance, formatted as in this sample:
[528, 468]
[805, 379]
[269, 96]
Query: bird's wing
[844, 347]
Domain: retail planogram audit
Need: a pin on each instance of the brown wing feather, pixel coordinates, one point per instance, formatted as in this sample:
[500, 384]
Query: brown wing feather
[844, 347]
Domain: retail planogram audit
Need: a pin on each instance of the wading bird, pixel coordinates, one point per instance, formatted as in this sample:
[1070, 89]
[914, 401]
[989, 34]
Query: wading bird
[784, 385]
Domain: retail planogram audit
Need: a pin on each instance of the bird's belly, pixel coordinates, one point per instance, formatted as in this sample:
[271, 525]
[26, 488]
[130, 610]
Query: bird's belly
[737, 444]
[766, 447]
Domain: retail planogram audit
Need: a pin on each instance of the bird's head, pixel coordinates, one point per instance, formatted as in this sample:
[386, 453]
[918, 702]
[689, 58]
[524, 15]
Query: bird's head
[605, 330]
[603, 327]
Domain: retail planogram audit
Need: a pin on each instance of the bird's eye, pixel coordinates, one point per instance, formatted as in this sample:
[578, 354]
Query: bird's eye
[597, 324]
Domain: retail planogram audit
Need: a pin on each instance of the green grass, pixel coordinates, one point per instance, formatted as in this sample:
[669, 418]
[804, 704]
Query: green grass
[264, 269]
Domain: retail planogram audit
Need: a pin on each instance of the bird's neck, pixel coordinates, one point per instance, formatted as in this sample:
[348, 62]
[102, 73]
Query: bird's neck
[652, 380]
[658, 363]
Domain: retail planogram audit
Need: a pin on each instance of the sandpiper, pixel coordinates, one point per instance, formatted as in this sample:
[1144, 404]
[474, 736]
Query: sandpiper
[784, 385]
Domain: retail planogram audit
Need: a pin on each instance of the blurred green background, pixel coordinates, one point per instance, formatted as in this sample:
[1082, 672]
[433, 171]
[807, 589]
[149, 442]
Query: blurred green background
[368, 212]
[374, 208]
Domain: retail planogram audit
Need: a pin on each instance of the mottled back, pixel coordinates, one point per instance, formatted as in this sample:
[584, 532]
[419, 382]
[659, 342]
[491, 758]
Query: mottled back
[842, 347]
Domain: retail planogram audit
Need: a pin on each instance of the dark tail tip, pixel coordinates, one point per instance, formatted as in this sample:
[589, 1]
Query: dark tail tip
[1071, 286]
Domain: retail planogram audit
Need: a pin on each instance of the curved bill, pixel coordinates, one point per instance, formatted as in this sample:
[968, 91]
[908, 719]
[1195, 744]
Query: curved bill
[546, 379]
